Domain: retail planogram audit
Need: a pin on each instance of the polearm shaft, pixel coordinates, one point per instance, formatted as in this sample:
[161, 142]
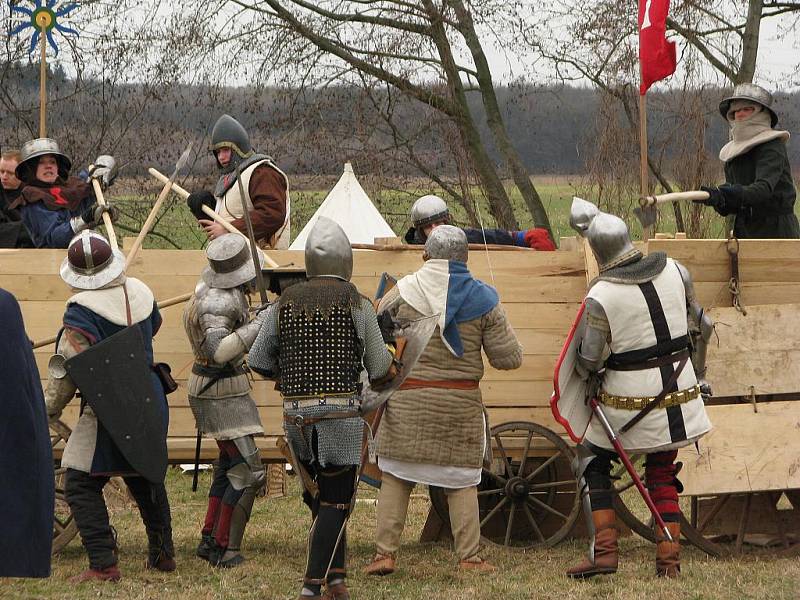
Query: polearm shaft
[262, 289]
[43, 85]
[623, 455]
[694, 196]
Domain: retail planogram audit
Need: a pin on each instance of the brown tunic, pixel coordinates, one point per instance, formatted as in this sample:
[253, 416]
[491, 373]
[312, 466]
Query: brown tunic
[267, 192]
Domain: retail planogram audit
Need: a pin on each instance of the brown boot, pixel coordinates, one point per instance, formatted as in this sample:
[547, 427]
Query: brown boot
[382, 564]
[605, 547]
[477, 564]
[337, 591]
[107, 574]
[668, 559]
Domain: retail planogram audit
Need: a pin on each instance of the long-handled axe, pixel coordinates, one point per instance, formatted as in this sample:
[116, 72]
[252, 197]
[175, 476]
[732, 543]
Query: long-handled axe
[137, 244]
[647, 211]
[208, 211]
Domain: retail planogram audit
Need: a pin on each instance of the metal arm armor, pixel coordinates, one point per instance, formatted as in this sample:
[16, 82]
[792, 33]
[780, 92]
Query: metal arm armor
[700, 327]
[221, 311]
[592, 349]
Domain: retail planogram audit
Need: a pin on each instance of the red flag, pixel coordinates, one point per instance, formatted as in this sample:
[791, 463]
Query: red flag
[656, 54]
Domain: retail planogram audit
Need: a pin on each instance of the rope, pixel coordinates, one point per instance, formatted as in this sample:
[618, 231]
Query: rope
[485, 245]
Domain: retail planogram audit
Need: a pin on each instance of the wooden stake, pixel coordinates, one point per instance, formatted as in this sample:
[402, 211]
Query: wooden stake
[644, 174]
[43, 85]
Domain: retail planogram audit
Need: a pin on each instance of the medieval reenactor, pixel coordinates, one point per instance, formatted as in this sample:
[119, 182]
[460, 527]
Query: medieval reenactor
[247, 179]
[315, 342]
[12, 231]
[53, 205]
[643, 310]
[105, 350]
[758, 190]
[430, 211]
[26, 457]
[415, 445]
[217, 321]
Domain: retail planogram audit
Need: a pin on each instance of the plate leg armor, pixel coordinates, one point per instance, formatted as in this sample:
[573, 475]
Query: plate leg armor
[592, 467]
[245, 477]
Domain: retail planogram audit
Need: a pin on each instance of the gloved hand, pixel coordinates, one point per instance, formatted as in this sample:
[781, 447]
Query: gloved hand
[726, 199]
[93, 216]
[387, 326]
[538, 239]
[196, 200]
[104, 169]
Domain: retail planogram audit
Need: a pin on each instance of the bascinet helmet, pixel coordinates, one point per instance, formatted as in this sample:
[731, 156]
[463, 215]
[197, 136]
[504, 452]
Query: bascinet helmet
[328, 251]
[607, 234]
[429, 209]
[32, 150]
[447, 242]
[230, 262]
[752, 92]
[91, 263]
[229, 133]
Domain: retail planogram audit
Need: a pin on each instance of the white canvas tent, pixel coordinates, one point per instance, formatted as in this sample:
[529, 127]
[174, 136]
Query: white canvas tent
[348, 204]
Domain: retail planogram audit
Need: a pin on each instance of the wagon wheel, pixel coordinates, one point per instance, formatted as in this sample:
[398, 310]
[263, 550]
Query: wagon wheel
[632, 511]
[64, 526]
[528, 498]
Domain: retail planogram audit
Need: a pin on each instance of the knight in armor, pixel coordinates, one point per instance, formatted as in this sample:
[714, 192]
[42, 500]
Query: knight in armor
[55, 206]
[416, 445]
[643, 310]
[758, 191]
[430, 211]
[220, 330]
[248, 180]
[112, 438]
[315, 342]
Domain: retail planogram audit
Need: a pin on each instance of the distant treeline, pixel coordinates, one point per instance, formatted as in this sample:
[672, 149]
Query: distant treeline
[555, 128]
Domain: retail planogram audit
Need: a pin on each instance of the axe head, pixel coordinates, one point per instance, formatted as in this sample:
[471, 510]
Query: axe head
[647, 215]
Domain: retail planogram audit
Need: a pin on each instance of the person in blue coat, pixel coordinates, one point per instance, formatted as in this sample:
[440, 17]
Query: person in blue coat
[53, 205]
[26, 457]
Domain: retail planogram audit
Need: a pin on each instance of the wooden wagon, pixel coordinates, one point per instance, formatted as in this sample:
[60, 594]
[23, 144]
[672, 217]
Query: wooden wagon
[528, 498]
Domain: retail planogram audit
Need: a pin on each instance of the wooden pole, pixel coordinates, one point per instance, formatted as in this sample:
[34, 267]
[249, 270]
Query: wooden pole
[43, 85]
[643, 173]
[163, 304]
[137, 244]
[98, 194]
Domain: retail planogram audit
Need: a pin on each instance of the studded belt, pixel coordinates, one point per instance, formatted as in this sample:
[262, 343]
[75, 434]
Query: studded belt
[342, 399]
[639, 402]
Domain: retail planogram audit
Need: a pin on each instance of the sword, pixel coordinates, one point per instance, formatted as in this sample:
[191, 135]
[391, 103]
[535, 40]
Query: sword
[262, 290]
[623, 455]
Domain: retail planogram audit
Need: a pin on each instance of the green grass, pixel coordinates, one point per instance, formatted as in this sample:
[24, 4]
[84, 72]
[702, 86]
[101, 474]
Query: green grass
[176, 223]
[275, 545]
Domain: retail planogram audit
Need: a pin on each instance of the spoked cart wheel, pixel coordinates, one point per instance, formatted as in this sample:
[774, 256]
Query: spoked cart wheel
[64, 526]
[528, 498]
[632, 511]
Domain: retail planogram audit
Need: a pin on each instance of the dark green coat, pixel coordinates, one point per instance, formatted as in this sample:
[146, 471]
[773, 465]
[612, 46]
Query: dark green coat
[767, 192]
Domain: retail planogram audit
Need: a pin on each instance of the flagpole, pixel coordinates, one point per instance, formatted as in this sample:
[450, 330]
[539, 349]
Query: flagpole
[43, 85]
[643, 170]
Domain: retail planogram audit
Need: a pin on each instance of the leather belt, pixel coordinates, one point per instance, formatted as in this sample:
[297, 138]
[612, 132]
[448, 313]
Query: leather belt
[218, 372]
[300, 421]
[446, 384]
[639, 402]
[651, 363]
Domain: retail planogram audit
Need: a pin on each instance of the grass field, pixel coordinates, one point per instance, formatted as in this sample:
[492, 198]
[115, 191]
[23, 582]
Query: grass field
[556, 192]
[275, 546]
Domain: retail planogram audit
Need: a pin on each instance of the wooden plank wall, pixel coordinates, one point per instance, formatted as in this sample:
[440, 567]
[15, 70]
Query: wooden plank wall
[540, 291]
